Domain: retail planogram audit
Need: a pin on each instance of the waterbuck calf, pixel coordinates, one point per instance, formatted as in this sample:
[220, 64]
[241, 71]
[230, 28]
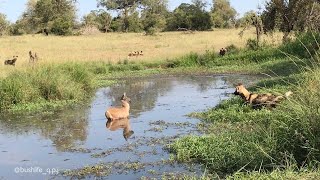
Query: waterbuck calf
[115, 113]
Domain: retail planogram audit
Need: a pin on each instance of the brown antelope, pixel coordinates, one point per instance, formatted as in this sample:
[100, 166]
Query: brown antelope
[115, 113]
[123, 124]
[11, 61]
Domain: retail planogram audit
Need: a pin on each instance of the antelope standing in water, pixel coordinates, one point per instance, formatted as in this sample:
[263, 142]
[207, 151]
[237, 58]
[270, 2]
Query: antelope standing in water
[115, 113]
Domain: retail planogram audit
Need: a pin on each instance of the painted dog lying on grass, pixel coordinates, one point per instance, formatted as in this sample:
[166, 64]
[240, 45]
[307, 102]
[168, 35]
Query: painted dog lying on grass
[259, 100]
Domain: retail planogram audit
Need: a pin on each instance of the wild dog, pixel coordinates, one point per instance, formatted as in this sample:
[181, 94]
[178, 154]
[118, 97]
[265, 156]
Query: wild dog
[32, 58]
[257, 101]
[46, 32]
[11, 61]
[35, 57]
[134, 53]
[115, 113]
[222, 51]
[123, 124]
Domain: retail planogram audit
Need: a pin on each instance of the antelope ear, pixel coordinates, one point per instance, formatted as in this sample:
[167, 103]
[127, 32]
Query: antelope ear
[123, 96]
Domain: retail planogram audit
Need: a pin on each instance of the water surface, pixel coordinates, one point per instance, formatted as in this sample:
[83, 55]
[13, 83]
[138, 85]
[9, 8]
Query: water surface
[78, 137]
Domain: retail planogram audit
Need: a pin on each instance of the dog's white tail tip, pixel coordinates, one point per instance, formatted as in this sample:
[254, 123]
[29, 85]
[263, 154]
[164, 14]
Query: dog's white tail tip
[289, 93]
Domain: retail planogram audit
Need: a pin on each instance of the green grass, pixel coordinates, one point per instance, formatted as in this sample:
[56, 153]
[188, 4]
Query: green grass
[45, 86]
[241, 139]
[74, 81]
[290, 173]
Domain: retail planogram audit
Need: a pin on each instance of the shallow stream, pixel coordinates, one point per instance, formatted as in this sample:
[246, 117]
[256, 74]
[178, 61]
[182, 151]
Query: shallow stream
[78, 137]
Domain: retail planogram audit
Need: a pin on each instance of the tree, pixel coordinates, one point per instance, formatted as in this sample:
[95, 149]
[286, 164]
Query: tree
[4, 24]
[28, 22]
[251, 18]
[189, 16]
[313, 20]
[153, 15]
[126, 7]
[288, 15]
[222, 14]
[57, 16]
[98, 18]
[134, 22]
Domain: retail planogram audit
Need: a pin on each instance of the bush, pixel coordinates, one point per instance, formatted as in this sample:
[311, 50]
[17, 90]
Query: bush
[193, 60]
[298, 133]
[62, 27]
[304, 46]
[252, 44]
[224, 153]
[49, 83]
[232, 49]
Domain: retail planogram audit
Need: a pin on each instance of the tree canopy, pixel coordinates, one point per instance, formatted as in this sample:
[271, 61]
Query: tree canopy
[58, 16]
[125, 8]
[291, 15]
[189, 16]
[223, 15]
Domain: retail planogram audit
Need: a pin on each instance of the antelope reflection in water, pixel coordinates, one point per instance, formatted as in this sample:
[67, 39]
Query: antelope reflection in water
[124, 124]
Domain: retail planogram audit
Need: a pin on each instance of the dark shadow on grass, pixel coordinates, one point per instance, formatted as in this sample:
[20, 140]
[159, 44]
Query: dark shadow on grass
[285, 68]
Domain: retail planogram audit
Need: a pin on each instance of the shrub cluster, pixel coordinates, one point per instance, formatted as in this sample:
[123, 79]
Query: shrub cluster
[47, 83]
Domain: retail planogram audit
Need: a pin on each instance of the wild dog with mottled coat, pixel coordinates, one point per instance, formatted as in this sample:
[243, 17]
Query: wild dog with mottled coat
[32, 58]
[222, 51]
[11, 61]
[259, 100]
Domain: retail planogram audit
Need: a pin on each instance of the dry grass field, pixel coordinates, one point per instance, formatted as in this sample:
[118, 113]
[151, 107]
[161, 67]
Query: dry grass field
[113, 47]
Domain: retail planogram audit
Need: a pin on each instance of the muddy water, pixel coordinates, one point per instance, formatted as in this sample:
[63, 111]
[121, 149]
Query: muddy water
[131, 148]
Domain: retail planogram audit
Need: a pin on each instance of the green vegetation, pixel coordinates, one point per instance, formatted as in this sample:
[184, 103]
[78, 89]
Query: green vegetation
[57, 17]
[151, 16]
[290, 16]
[48, 85]
[290, 173]
[240, 138]
[43, 85]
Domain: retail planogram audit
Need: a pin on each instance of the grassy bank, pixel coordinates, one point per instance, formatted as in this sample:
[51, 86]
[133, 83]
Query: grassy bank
[114, 47]
[56, 84]
[45, 86]
[240, 139]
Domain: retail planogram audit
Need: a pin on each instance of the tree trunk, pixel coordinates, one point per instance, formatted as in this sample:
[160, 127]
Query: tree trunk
[125, 20]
